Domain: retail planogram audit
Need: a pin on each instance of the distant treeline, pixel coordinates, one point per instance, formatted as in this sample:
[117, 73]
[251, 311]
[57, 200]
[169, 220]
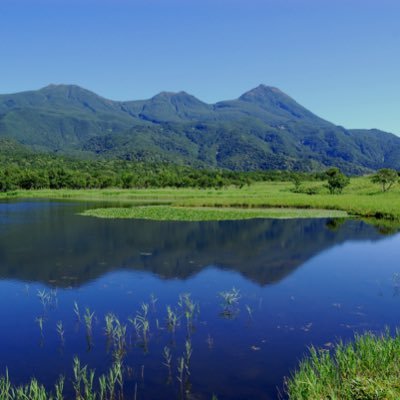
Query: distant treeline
[41, 171]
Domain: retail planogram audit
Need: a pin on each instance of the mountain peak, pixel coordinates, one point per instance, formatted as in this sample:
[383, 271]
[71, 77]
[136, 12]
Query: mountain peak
[61, 86]
[261, 92]
[174, 107]
[174, 95]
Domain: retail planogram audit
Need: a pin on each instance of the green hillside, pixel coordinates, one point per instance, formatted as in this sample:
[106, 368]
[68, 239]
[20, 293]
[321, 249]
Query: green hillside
[263, 129]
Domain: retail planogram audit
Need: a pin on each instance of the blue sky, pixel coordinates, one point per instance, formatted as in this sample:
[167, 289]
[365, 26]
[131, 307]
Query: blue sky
[339, 58]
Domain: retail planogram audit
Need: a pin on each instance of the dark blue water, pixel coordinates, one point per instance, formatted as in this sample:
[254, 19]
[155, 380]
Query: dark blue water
[301, 282]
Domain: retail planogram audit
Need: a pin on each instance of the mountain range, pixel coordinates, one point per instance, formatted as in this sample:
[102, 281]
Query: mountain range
[262, 129]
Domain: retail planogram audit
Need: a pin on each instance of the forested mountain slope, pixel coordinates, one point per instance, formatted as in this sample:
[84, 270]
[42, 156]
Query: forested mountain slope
[262, 129]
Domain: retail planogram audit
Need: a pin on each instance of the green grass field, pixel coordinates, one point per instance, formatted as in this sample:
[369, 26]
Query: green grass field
[360, 199]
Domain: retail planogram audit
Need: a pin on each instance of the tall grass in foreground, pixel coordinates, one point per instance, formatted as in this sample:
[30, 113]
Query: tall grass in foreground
[86, 387]
[366, 369]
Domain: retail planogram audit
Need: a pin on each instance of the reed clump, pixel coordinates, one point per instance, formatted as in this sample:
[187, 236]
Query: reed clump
[366, 369]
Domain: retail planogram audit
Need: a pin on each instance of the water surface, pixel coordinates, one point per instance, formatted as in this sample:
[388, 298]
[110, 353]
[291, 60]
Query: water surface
[301, 282]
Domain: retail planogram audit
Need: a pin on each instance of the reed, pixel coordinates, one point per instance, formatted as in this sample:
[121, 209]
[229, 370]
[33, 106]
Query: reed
[172, 320]
[249, 311]
[60, 331]
[44, 297]
[40, 321]
[110, 386]
[88, 318]
[77, 312]
[168, 362]
[141, 324]
[230, 304]
[153, 301]
[109, 320]
[59, 388]
[119, 340]
[190, 310]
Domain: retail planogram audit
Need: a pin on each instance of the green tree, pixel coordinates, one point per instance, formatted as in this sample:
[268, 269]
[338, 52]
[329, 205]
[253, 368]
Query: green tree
[337, 181]
[385, 177]
[296, 180]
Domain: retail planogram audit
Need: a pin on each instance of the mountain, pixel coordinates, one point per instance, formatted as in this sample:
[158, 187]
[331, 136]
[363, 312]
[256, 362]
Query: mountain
[262, 129]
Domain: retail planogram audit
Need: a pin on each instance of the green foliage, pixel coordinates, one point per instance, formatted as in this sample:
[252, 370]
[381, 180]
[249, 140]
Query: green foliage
[296, 182]
[385, 177]
[367, 369]
[263, 129]
[337, 181]
[21, 169]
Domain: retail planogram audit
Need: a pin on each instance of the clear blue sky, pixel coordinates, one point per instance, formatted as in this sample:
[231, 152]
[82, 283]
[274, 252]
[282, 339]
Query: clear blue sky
[339, 58]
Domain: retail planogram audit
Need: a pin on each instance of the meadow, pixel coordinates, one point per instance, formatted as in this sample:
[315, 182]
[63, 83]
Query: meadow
[361, 199]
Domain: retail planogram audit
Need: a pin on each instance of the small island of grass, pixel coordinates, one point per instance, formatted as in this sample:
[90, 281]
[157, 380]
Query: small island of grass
[170, 213]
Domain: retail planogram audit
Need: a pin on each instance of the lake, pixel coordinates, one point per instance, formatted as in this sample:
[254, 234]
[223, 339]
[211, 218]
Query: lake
[285, 284]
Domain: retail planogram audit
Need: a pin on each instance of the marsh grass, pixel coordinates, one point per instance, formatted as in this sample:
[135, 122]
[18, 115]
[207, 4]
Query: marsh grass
[84, 384]
[40, 322]
[141, 323]
[189, 309]
[61, 332]
[361, 199]
[366, 369]
[170, 213]
[107, 387]
[230, 303]
[32, 391]
[167, 356]
[77, 312]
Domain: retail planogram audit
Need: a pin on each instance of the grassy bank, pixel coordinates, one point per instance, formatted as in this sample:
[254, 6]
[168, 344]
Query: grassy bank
[368, 368]
[361, 198]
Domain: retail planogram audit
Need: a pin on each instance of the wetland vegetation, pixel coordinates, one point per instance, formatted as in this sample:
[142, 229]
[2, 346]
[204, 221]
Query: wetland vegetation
[366, 368]
[361, 198]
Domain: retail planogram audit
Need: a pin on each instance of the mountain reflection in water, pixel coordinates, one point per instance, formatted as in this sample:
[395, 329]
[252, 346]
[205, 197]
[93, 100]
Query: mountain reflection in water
[49, 242]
